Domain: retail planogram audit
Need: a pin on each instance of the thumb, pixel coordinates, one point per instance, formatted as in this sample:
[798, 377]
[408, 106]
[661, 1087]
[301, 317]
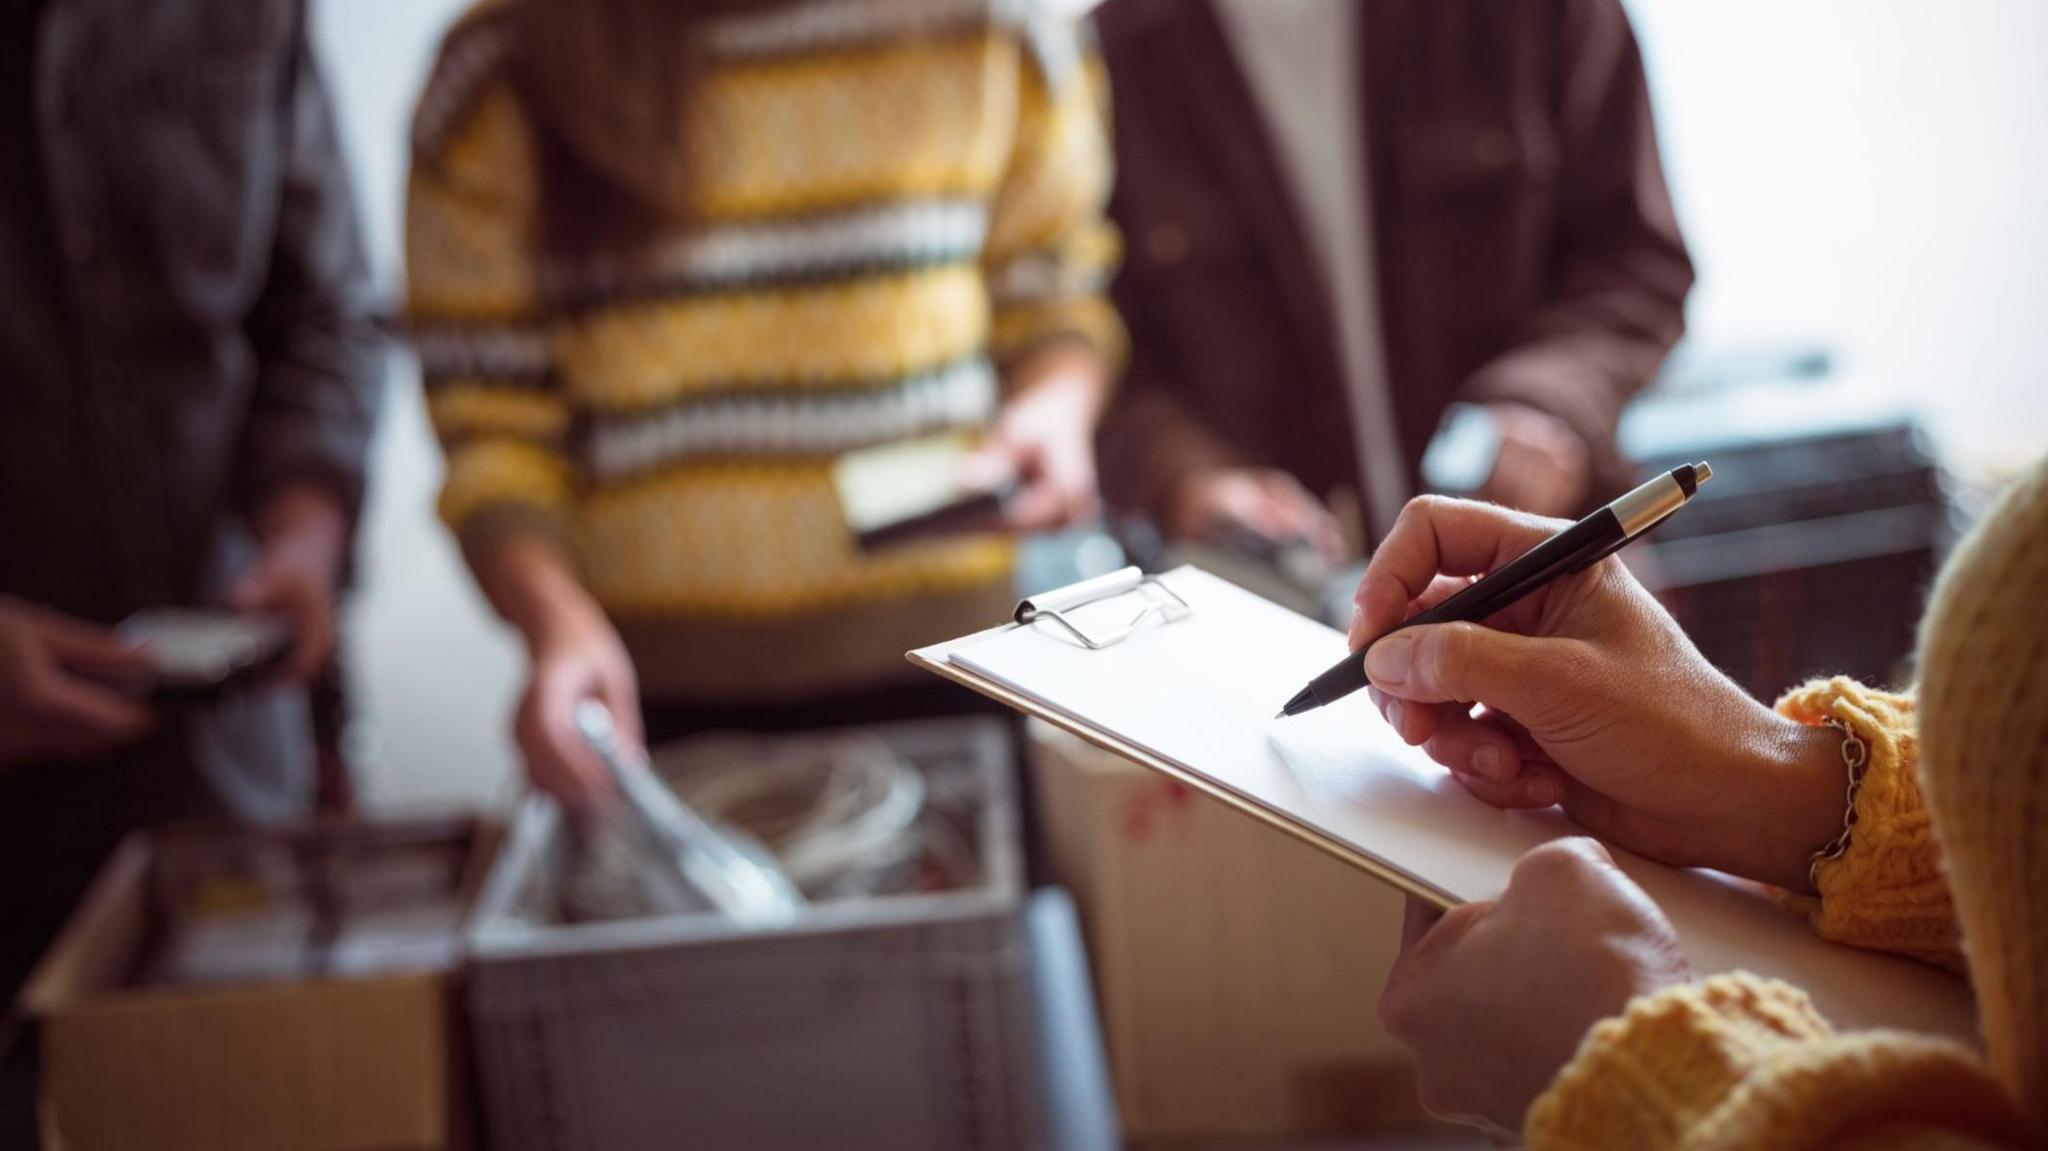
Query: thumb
[1554, 872]
[1585, 847]
[1466, 663]
[988, 467]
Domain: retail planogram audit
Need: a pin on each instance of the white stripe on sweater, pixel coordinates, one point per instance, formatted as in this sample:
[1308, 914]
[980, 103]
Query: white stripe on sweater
[822, 423]
[736, 255]
[802, 27]
[487, 353]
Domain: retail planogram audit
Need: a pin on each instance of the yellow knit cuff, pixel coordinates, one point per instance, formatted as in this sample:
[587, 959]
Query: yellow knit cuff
[491, 483]
[1737, 1062]
[1023, 327]
[1651, 1076]
[1886, 891]
[468, 407]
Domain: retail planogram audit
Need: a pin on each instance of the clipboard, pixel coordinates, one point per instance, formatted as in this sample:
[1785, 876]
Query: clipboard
[1101, 660]
[1057, 606]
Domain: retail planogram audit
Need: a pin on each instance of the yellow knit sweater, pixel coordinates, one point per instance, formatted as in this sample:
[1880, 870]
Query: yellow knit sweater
[889, 204]
[1949, 862]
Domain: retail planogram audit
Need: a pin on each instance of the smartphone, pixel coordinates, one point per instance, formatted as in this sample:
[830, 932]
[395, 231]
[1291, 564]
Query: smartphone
[905, 491]
[195, 653]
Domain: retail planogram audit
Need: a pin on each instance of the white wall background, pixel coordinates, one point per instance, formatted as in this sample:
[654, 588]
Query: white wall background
[433, 671]
[1865, 173]
[1871, 173]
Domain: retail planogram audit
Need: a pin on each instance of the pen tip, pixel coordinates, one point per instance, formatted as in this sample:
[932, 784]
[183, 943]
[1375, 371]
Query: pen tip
[1702, 472]
[1281, 714]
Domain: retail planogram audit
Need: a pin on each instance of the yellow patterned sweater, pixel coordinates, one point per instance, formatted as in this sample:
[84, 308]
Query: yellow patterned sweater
[1949, 863]
[893, 201]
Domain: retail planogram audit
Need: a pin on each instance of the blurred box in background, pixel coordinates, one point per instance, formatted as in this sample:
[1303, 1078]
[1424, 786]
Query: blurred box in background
[1238, 969]
[241, 990]
[1812, 550]
[903, 1021]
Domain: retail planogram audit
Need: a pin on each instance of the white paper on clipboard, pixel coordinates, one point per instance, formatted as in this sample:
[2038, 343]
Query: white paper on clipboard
[1198, 692]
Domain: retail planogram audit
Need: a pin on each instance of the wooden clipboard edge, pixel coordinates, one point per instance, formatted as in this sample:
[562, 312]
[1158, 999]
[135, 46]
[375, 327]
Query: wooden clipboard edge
[1334, 848]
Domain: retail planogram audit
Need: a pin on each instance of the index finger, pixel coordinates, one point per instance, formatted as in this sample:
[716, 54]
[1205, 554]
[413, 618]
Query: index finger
[1438, 536]
[76, 709]
[988, 467]
[88, 648]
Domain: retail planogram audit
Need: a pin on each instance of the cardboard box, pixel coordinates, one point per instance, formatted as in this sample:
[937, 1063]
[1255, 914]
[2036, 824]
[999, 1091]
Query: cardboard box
[1239, 970]
[308, 1064]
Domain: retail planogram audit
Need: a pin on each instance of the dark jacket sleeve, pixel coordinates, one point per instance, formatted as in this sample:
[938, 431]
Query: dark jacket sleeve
[1150, 441]
[320, 367]
[1621, 272]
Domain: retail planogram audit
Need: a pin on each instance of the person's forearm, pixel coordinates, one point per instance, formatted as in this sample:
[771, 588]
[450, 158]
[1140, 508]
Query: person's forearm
[531, 583]
[304, 514]
[1070, 366]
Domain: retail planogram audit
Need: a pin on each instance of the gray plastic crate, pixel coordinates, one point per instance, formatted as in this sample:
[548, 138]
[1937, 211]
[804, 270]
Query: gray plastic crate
[902, 1022]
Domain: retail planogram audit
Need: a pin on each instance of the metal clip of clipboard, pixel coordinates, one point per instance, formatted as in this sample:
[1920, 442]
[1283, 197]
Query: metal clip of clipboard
[1055, 604]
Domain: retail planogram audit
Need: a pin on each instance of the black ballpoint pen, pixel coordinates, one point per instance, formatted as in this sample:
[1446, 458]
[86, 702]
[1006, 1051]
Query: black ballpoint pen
[1574, 549]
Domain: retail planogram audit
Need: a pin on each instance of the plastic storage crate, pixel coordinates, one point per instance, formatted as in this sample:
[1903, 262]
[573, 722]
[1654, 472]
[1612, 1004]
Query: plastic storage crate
[902, 1022]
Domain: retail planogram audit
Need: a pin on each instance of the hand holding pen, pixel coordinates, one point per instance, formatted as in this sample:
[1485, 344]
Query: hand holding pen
[1591, 697]
[1570, 550]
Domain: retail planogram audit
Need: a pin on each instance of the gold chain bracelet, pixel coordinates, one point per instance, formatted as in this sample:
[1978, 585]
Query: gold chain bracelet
[1855, 757]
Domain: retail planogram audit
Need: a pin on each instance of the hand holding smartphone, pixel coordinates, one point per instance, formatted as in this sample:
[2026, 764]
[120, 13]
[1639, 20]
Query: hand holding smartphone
[195, 654]
[904, 491]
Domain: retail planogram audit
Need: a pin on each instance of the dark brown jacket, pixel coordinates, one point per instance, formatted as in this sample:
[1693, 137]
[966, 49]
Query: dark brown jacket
[187, 325]
[1525, 241]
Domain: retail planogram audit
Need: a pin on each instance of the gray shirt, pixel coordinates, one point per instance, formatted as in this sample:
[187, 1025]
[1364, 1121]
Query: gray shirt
[1302, 60]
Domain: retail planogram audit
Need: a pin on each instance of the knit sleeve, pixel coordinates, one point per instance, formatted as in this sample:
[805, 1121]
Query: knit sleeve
[1739, 1062]
[1887, 891]
[1984, 723]
[1051, 248]
[473, 302]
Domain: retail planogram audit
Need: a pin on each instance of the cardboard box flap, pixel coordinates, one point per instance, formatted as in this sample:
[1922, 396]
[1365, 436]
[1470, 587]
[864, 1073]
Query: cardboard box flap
[97, 948]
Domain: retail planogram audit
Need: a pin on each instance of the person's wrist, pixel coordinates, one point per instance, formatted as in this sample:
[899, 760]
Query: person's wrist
[1796, 778]
[304, 522]
[561, 618]
[535, 589]
[1065, 367]
[304, 529]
